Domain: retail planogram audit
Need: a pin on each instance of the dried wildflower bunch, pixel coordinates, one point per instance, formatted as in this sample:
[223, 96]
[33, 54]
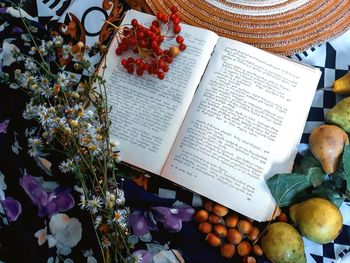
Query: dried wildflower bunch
[73, 120]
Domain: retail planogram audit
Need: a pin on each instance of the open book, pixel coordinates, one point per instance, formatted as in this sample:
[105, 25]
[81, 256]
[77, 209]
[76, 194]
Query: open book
[226, 117]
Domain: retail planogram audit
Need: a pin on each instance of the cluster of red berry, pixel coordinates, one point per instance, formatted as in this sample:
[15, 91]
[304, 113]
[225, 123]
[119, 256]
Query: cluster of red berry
[147, 41]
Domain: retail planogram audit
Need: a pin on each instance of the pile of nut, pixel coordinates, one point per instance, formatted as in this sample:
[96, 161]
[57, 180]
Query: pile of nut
[225, 229]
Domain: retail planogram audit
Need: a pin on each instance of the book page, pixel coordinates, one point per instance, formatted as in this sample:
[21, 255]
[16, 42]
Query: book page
[243, 126]
[147, 112]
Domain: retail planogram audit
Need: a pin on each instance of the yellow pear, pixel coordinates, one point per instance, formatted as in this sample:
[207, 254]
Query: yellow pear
[326, 144]
[317, 219]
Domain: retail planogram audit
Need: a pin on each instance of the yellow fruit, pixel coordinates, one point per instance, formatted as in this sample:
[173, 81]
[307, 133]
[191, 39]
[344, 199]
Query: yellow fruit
[317, 219]
[342, 85]
[282, 243]
[244, 248]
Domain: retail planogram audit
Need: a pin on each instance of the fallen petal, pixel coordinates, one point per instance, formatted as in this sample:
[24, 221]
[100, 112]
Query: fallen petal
[12, 208]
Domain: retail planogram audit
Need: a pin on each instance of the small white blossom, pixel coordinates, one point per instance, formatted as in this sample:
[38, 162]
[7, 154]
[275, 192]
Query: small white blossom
[98, 221]
[83, 202]
[66, 166]
[94, 204]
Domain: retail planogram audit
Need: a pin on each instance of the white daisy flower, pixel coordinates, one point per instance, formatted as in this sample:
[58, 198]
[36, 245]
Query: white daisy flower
[94, 204]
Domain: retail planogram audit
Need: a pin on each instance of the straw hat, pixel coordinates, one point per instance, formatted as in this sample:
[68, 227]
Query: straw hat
[280, 26]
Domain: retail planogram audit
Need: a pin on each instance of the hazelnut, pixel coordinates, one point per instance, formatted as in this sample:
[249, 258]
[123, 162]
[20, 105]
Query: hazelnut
[234, 236]
[205, 227]
[220, 210]
[257, 250]
[244, 248]
[220, 230]
[208, 205]
[249, 259]
[214, 219]
[213, 240]
[201, 216]
[227, 250]
[231, 220]
[254, 234]
[282, 218]
[244, 226]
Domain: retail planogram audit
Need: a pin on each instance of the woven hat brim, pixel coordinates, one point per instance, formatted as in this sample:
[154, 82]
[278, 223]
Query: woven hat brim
[286, 33]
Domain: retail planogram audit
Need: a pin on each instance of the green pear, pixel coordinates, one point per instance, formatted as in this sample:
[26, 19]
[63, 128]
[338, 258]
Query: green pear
[340, 114]
[317, 219]
[282, 243]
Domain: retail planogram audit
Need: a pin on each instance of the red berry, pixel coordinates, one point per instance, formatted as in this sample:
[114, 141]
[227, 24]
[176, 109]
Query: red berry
[169, 59]
[172, 17]
[153, 28]
[179, 39]
[177, 29]
[118, 51]
[141, 28]
[158, 51]
[134, 22]
[139, 71]
[173, 9]
[138, 62]
[159, 15]
[160, 38]
[136, 50]
[182, 47]
[164, 18]
[146, 66]
[165, 68]
[124, 62]
[140, 34]
[161, 75]
[149, 32]
[130, 61]
[155, 23]
[142, 43]
[130, 69]
[177, 20]
[132, 41]
[154, 45]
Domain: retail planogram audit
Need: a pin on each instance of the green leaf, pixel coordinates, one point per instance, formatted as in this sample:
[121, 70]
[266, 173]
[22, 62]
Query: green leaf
[316, 175]
[285, 188]
[338, 179]
[330, 194]
[346, 165]
[307, 162]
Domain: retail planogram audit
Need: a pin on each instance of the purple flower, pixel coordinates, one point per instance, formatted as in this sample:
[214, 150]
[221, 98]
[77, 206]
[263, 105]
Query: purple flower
[3, 10]
[12, 208]
[142, 256]
[3, 126]
[141, 222]
[49, 203]
[172, 217]
[16, 30]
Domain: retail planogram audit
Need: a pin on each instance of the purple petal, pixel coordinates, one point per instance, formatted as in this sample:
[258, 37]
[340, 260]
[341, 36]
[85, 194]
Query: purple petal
[12, 208]
[3, 126]
[59, 201]
[16, 30]
[184, 213]
[160, 213]
[138, 223]
[3, 10]
[146, 256]
[49, 203]
[172, 224]
[35, 192]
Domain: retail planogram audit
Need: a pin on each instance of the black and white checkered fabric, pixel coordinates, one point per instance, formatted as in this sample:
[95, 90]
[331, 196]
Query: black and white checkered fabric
[333, 59]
